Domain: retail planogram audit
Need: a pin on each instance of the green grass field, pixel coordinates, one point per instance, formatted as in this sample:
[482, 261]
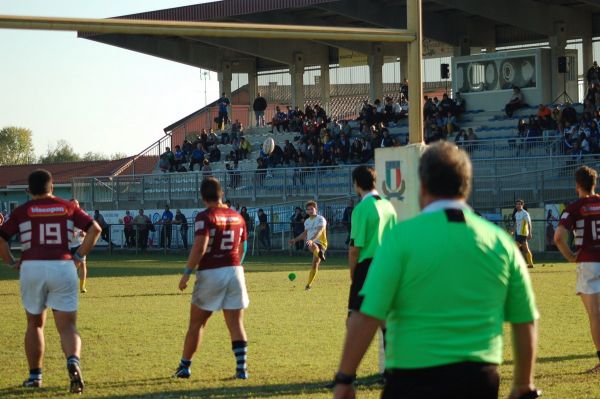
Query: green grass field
[133, 319]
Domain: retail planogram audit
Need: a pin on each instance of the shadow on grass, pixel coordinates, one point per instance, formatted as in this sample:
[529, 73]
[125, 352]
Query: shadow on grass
[553, 359]
[248, 391]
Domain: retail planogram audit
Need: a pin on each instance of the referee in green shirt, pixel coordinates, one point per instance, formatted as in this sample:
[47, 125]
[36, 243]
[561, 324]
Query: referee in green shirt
[444, 281]
[371, 218]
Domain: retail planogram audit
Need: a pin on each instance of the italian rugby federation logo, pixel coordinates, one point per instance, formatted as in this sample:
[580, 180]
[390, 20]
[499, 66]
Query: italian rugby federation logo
[393, 186]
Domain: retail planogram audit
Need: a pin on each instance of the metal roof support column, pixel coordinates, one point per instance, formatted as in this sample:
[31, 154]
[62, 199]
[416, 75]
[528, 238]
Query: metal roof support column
[588, 53]
[225, 80]
[414, 16]
[252, 91]
[464, 46]
[325, 88]
[376, 73]
[558, 42]
[403, 62]
[297, 72]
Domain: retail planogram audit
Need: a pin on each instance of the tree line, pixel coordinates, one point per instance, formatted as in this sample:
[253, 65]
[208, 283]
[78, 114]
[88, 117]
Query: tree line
[16, 148]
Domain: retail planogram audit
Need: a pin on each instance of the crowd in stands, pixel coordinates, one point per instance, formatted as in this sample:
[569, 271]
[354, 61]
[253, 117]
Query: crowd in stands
[441, 118]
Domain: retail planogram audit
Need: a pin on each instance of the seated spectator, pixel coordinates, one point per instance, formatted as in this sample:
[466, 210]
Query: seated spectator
[179, 159]
[236, 131]
[515, 102]
[460, 138]
[569, 114]
[261, 172]
[557, 115]
[385, 140]
[166, 161]
[214, 154]
[379, 111]
[206, 169]
[245, 149]
[289, 153]
[197, 157]
[471, 136]
[343, 147]
[233, 174]
[388, 110]
[356, 151]
[429, 108]
[276, 157]
[279, 120]
[460, 105]
[211, 139]
[446, 105]
[451, 124]
[544, 116]
[320, 113]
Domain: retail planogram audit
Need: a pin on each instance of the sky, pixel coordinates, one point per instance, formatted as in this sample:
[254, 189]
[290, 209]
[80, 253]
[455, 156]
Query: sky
[96, 97]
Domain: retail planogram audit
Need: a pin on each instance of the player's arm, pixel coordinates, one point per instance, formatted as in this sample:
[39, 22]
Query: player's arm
[353, 255]
[300, 237]
[91, 237]
[196, 254]
[560, 239]
[524, 337]
[6, 254]
[529, 227]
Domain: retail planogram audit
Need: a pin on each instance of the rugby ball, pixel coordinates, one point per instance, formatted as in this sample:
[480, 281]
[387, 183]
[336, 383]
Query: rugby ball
[269, 145]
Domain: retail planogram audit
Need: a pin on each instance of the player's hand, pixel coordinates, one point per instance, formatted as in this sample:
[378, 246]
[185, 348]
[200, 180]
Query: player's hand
[529, 236]
[17, 265]
[291, 242]
[309, 243]
[344, 391]
[184, 282]
[78, 263]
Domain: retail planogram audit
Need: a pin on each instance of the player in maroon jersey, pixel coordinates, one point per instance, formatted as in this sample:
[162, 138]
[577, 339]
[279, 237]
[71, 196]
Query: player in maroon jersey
[582, 217]
[48, 276]
[217, 254]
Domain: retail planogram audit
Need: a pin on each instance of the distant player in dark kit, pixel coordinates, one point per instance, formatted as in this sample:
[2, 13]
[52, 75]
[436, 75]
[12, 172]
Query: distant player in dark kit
[48, 276]
[216, 257]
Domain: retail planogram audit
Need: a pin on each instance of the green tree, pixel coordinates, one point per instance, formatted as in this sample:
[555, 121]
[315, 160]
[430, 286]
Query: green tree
[16, 145]
[62, 152]
[94, 156]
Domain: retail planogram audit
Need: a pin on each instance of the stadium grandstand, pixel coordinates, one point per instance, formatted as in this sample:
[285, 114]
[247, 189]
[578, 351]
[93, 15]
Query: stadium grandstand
[360, 89]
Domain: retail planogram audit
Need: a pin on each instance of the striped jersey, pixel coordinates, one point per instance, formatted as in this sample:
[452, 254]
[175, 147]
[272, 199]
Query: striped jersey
[226, 229]
[582, 217]
[45, 227]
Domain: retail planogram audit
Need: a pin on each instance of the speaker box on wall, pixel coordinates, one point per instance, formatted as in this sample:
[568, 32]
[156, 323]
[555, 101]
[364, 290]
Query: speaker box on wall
[562, 64]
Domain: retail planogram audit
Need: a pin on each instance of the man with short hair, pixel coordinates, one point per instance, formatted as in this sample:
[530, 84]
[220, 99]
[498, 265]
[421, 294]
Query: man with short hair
[128, 230]
[181, 220]
[259, 106]
[315, 237]
[142, 224]
[582, 217]
[444, 305]
[167, 227]
[522, 231]
[48, 275]
[217, 254]
[223, 117]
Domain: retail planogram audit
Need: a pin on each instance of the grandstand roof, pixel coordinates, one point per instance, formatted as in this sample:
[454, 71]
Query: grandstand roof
[485, 23]
[64, 172]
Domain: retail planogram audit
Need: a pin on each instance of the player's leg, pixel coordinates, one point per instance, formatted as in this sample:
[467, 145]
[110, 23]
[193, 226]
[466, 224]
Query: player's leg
[34, 348]
[527, 254]
[591, 302]
[66, 324]
[234, 319]
[82, 276]
[198, 319]
[315, 250]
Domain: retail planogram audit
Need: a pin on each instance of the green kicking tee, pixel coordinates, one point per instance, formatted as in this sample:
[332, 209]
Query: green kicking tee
[445, 281]
[371, 218]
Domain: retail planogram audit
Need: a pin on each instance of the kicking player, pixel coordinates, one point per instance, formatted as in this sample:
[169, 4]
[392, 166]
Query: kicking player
[522, 231]
[582, 217]
[48, 276]
[315, 234]
[216, 257]
[74, 244]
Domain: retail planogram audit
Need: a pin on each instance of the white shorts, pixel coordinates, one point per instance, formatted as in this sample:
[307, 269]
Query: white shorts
[221, 288]
[49, 284]
[588, 278]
